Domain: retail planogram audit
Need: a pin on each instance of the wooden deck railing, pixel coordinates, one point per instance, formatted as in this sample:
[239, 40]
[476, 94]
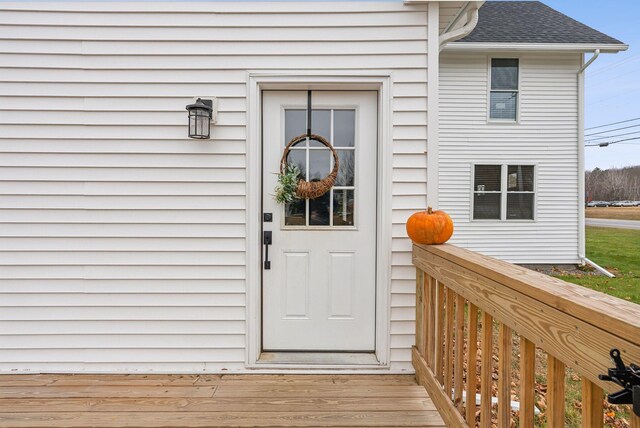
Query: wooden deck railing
[463, 297]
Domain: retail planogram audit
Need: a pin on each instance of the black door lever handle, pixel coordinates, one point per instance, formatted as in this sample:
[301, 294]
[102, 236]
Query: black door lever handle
[267, 240]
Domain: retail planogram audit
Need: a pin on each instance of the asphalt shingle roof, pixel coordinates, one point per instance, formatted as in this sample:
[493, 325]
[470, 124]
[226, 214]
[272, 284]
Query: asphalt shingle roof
[531, 22]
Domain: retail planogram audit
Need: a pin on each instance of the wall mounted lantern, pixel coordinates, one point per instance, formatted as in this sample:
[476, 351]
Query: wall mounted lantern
[202, 114]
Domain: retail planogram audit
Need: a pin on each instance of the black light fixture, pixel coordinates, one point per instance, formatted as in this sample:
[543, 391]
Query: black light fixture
[200, 115]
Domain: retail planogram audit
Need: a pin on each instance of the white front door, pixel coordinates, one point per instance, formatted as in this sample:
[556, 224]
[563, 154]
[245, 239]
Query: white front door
[319, 293]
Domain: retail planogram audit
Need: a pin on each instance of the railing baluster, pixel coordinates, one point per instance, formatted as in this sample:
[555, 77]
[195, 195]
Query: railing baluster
[459, 354]
[486, 372]
[555, 392]
[431, 333]
[426, 315]
[448, 344]
[472, 358]
[439, 339]
[504, 377]
[591, 404]
[527, 382]
[419, 310]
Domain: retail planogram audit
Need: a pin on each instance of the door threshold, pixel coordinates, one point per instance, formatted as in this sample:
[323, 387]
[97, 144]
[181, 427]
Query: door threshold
[319, 358]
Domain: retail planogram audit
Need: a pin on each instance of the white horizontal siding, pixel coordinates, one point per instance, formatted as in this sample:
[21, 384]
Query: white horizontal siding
[546, 135]
[122, 243]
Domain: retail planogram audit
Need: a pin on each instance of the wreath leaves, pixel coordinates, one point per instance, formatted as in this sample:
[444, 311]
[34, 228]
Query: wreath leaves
[287, 185]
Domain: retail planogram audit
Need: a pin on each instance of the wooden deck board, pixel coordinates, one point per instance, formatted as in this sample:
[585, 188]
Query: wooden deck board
[215, 401]
[107, 391]
[38, 405]
[199, 380]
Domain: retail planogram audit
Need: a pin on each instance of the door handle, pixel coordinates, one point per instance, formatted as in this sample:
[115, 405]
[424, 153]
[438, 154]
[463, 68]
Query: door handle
[267, 240]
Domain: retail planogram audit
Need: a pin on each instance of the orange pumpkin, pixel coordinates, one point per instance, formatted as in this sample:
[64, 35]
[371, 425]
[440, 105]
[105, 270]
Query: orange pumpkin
[430, 227]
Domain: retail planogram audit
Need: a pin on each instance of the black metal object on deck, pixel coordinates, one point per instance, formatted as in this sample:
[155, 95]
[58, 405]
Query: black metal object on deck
[627, 377]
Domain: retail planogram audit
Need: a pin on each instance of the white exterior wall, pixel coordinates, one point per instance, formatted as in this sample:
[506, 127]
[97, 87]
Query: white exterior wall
[546, 135]
[122, 242]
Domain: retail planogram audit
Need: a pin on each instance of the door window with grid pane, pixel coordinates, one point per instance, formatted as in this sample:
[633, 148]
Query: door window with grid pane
[504, 192]
[503, 97]
[315, 161]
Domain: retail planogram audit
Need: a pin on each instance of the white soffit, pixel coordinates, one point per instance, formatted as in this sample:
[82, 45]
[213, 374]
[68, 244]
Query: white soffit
[449, 10]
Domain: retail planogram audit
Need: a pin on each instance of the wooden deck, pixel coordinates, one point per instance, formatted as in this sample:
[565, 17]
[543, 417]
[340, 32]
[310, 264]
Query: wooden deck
[214, 401]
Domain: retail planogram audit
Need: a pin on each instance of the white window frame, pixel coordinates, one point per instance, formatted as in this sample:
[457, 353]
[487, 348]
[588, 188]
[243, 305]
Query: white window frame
[517, 90]
[504, 169]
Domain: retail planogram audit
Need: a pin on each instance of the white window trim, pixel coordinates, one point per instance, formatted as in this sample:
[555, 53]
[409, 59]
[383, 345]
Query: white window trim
[518, 91]
[504, 168]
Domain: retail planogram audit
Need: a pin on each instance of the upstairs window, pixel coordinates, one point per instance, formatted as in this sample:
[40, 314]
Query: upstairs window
[503, 192]
[503, 98]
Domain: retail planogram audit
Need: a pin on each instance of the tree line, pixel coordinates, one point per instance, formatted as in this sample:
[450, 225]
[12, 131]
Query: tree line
[615, 184]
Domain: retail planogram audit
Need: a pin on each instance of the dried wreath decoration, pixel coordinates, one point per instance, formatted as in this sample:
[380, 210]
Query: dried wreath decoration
[303, 189]
[287, 185]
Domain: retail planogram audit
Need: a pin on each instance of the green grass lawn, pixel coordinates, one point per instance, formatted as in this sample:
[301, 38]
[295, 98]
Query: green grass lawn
[617, 250]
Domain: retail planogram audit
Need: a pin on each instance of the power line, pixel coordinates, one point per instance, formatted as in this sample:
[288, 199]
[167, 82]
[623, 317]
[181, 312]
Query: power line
[623, 94]
[613, 123]
[613, 142]
[612, 130]
[607, 77]
[628, 93]
[612, 136]
[614, 65]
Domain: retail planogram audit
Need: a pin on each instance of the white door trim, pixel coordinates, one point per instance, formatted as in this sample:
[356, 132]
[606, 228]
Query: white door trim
[256, 82]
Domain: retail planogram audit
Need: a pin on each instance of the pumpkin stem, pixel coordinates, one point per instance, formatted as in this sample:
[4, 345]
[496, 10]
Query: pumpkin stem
[429, 210]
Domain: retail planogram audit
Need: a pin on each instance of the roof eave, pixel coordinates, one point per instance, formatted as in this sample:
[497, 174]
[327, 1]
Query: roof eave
[562, 47]
[461, 12]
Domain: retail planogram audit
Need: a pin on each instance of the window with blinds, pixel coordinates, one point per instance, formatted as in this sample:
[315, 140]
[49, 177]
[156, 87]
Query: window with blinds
[486, 192]
[504, 192]
[503, 97]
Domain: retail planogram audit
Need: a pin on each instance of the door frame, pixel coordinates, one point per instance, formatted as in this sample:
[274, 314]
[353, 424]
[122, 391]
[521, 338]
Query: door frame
[316, 80]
